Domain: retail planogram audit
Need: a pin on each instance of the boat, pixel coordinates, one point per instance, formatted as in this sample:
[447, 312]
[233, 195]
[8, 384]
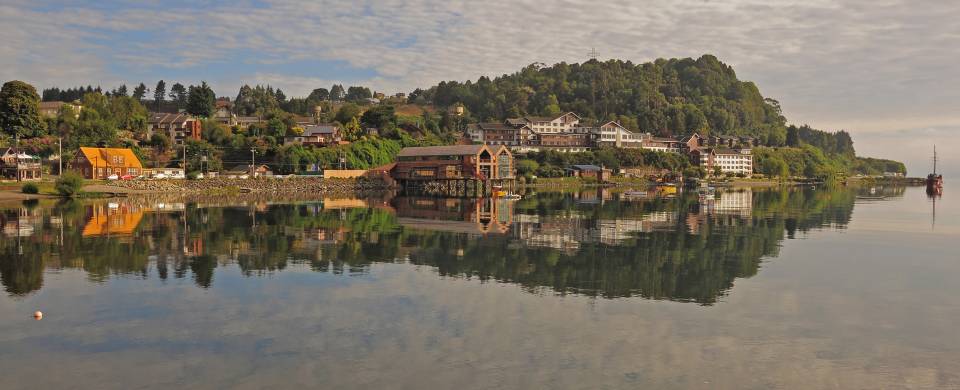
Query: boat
[512, 196]
[934, 180]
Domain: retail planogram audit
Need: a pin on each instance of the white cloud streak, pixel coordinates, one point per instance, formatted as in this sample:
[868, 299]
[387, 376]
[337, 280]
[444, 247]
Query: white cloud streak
[864, 63]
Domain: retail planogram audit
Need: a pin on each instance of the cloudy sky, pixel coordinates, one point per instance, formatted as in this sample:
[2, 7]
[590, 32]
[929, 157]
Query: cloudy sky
[885, 70]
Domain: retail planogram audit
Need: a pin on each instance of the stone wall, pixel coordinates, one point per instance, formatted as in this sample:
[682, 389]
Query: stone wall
[259, 184]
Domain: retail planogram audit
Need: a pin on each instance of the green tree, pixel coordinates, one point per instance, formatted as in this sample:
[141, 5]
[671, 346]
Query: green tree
[68, 184]
[159, 92]
[20, 110]
[379, 116]
[347, 112]
[201, 101]
[178, 94]
[140, 92]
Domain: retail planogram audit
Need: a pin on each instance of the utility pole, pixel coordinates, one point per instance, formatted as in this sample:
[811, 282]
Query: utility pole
[16, 156]
[60, 153]
[253, 162]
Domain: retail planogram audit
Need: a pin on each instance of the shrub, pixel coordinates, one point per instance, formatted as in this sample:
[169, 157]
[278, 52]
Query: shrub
[68, 184]
[30, 188]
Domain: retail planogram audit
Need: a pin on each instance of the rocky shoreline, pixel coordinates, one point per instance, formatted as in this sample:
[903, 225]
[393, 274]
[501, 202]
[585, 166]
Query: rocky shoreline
[289, 185]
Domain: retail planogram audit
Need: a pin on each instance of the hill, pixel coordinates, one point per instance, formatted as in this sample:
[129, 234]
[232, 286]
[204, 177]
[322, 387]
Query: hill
[667, 97]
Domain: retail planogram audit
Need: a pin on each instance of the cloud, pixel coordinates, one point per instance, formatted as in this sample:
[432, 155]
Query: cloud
[863, 65]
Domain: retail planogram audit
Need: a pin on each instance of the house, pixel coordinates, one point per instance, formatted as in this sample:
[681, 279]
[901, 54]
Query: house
[499, 133]
[98, 163]
[18, 165]
[660, 144]
[316, 135]
[612, 134]
[304, 121]
[589, 171]
[453, 162]
[52, 109]
[168, 172]
[564, 123]
[243, 171]
[179, 127]
[728, 160]
[692, 142]
[563, 142]
[224, 112]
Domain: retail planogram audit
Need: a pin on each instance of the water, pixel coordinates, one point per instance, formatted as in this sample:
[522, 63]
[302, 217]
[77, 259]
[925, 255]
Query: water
[802, 288]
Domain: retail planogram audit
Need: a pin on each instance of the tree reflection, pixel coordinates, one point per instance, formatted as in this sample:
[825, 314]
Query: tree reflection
[596, 243]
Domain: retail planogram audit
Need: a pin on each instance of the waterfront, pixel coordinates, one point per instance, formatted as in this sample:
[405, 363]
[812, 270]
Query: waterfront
[763, 288]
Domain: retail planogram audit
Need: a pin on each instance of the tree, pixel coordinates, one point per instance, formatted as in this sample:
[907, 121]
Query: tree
[140, 92]
[202, 100]
[358, 94]
[68, 184]
[278, 94]
[319, 94]
[337, 93]
[159, 92]
[379, 117]
[20, 110]
[347, 112]
[793, 136]
[120, 91]
[178, 94]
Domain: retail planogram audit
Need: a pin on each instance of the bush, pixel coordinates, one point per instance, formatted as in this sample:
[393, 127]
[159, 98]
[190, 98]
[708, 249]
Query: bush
[68, 184]
[30, 188]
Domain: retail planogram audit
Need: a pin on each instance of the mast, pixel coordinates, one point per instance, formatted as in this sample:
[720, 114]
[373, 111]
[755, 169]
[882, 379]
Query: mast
[934, 159]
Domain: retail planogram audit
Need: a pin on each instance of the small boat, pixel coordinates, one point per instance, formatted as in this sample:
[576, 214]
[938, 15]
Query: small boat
[512, 196]
[934, 180]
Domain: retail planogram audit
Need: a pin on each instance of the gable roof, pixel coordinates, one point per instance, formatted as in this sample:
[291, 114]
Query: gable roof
[103, 157]
[449, 150]
[163, 117]
[320, 129]
[585, 167]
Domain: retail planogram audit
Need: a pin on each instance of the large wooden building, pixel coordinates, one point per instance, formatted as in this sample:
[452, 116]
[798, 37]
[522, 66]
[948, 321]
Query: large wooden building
[479, 162]
[99, 163]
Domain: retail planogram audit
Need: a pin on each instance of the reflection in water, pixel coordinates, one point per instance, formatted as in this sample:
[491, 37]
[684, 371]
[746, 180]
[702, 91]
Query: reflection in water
[595, 243]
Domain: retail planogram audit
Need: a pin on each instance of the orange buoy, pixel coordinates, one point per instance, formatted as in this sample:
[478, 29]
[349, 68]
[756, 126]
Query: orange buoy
[38, 315]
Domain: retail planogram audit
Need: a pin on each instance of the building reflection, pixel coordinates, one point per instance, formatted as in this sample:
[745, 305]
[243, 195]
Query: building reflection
[594, 243]
[478, 216]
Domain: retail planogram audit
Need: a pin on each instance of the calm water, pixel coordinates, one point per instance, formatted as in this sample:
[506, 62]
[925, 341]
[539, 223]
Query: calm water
[760, 289]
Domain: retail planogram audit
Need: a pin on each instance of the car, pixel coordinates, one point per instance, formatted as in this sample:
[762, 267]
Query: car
[160, 176]
[127, 177]
[113, 177]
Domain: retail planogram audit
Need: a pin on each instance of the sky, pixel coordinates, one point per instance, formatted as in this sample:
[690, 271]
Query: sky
[884, 70]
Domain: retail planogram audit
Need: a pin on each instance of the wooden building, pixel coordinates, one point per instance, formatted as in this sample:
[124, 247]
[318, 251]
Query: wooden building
[18, 165]
[454, 162]
[99, 163]
[455, 169]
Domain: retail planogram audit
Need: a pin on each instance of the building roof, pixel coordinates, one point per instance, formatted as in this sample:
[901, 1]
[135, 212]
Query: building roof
[320, 129]
[497, 126]
[662, 139]
[103, 157]
[585, 167]
[449, 150]
[163, 117]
